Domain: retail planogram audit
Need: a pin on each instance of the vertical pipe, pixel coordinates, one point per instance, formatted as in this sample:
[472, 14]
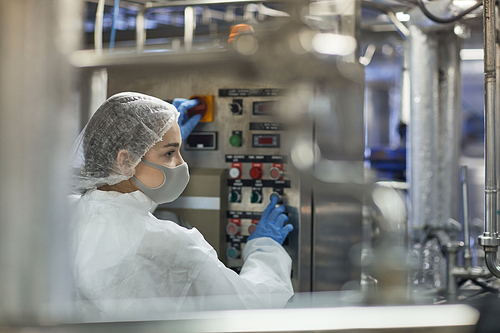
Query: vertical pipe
[38, 123]
[489, 240]
[424, 188]
[497, 110]
[448, 124]
[189, 25]
[116, 12]
[466, 221]
[489, 140]
[140, 29]
[99, 17]
[451, 280]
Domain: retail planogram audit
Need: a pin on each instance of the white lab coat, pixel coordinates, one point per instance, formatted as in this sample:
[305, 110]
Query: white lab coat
[129, 264]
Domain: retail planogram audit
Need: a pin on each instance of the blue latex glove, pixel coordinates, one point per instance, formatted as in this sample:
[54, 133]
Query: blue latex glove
[186, 124]
[271, 223]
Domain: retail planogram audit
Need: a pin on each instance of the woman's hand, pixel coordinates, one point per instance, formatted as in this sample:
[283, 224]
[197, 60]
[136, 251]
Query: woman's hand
[185, 123]
[271, 223]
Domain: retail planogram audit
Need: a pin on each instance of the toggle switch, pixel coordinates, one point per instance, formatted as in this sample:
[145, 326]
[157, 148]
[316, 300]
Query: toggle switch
[236, 107]
[235, 194]
[256, 196]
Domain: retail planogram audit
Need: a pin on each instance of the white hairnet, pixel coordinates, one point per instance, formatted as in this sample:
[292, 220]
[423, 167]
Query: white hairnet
[131, 121]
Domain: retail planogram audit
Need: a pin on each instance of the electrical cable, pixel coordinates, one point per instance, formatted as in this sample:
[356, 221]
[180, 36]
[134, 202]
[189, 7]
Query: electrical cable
[446, 20]
[116, 12]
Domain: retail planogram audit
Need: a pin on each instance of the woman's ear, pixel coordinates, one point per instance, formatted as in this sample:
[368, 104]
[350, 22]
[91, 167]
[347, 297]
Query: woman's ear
[124, 162]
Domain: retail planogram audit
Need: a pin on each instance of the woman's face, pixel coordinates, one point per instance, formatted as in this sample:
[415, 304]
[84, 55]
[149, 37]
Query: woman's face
[166, 152]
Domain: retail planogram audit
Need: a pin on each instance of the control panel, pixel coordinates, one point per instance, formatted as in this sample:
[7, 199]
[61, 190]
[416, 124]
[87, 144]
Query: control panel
[238, 156]
[257, 163]
[252, 181]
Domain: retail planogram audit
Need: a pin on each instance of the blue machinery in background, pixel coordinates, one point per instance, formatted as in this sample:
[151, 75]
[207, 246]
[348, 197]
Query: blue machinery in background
[390, 163]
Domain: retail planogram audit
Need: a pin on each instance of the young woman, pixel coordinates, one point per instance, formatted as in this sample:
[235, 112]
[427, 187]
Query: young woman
[127, 262]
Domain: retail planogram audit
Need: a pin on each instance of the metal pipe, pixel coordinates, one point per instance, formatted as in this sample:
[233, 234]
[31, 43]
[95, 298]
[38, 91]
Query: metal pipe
[400, 27]
[116, 12]
[424, 136]
[448, 124]
[497, 108]
[465, 205]
[451, 250]
[140, 28]
[189, 26]
[489, 240]
[98, 27]
[177, 3]
[490, 88]
[491, 262]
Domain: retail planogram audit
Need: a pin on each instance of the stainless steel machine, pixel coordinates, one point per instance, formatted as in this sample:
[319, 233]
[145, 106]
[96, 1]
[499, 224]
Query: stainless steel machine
[264, 122]
[287, 118]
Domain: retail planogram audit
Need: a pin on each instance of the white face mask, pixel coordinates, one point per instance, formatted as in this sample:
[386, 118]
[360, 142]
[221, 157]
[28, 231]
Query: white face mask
[174, 182]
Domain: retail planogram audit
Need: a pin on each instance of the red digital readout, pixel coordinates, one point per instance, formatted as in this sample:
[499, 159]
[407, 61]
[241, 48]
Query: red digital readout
[265, 141]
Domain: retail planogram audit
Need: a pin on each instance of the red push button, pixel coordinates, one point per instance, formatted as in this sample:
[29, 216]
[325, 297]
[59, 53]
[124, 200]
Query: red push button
[255, 173]
[251, 228]
[232, 229]
[275, 173]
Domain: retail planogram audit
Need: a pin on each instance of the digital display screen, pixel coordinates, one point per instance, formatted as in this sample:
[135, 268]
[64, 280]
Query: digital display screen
[266, 141]
[201, 141]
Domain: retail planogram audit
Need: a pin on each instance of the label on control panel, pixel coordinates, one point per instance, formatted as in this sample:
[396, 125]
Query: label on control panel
[266, 127]
[258, 183]
[256, 158]
[250, 92]
[232, 214]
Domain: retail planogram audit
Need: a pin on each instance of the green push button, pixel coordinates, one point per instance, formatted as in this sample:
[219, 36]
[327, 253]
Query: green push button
[235, 140]
[231, 253]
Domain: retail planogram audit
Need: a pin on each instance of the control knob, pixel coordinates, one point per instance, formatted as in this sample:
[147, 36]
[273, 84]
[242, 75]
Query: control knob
[255, 197]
